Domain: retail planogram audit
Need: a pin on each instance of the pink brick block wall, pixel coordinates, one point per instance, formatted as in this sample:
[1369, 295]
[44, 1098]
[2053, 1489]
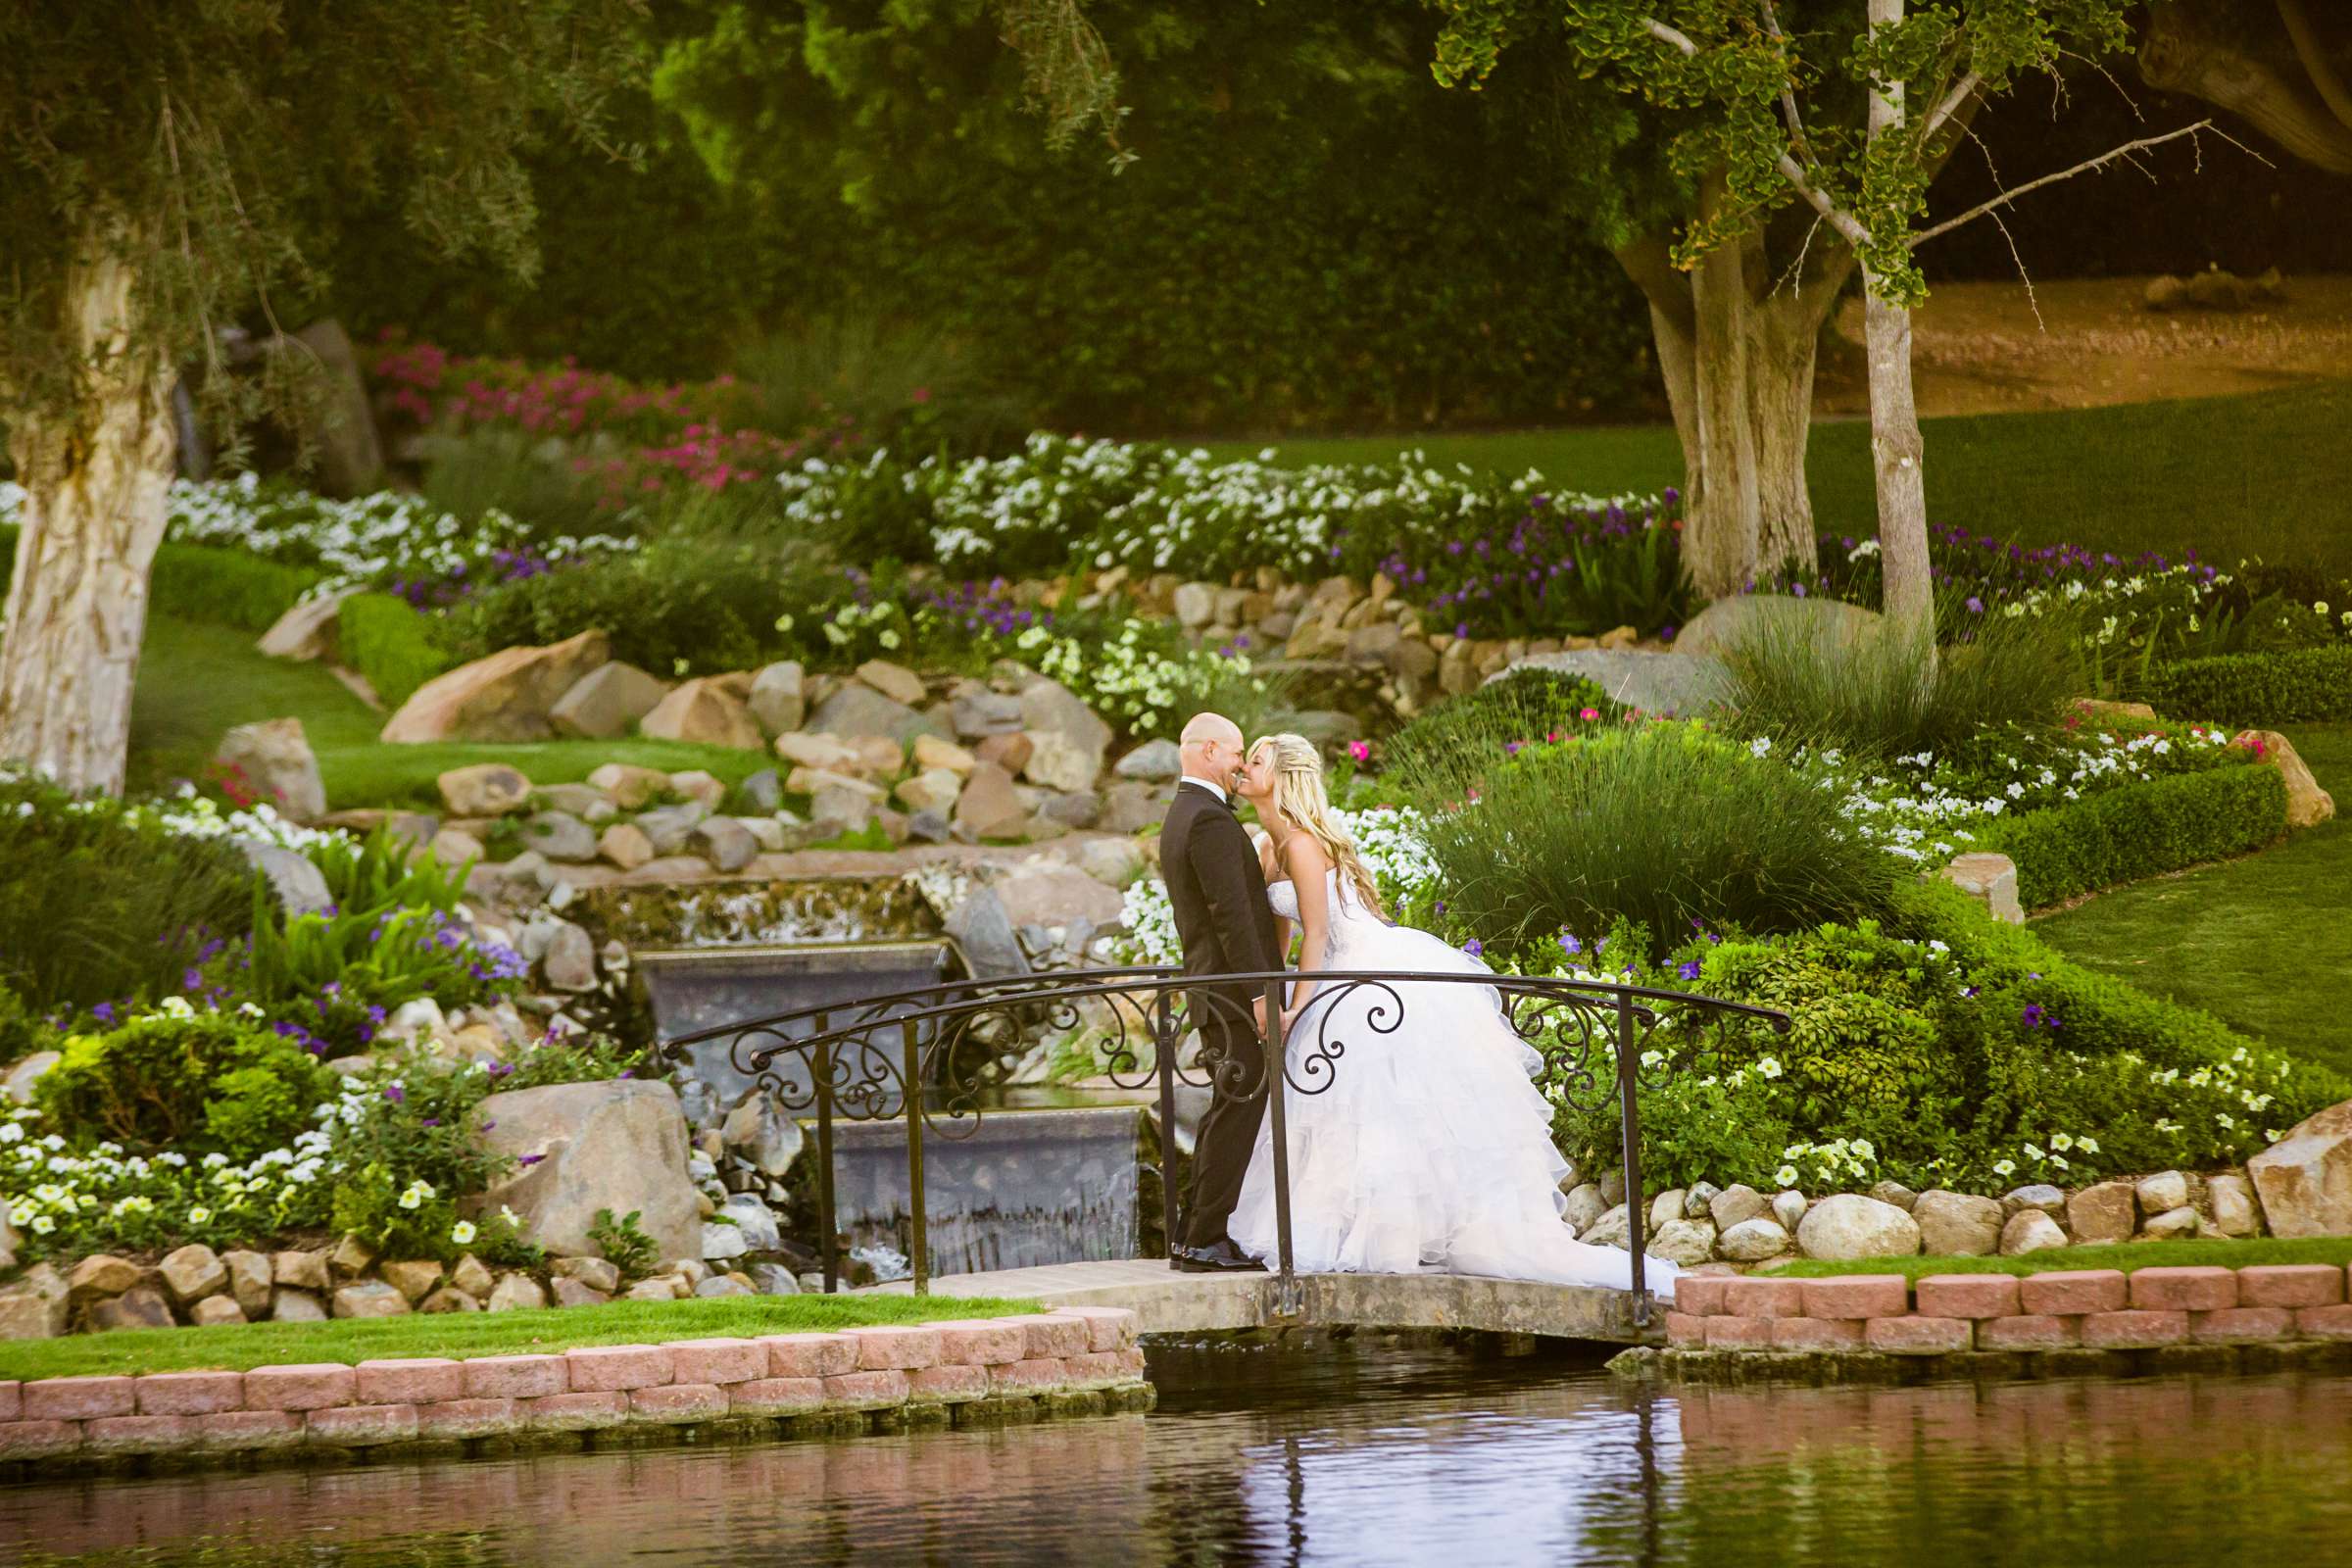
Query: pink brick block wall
[810, 1356]
[2291, 1285]
[2185, 1289]
[2073, 1291]
[1815, 1333]
[1919, 1336]
[1856, 1296]
[2134, 1329]
[867, 1391]
[311, 1386]
[77, 1399]
[2324, 1322]
[1969, 1296]
[1109, 1328]
[1056, 1334]
[1736, 1333]
[575, 1412]
[423, 1380]
[678, 1401]
[361, 1426]
[190, 1393]
[614, 1368]
[777, 1395]
[895, 1348]
[2035, 1331]
[1760, 1295]
[984, 1342]
[2240, 1325]
[11, 1400]
[717, 1362]
[1701, 1295]
[515, 1377]
[467, 1418]
[139, 1434]
[1684, 1331]
[946, 1385]
[234, 1430]
[38, 1439]
[1034, 1375]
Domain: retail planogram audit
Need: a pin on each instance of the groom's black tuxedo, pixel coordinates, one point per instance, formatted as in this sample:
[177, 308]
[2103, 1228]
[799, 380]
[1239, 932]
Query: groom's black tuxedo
[1227, 927]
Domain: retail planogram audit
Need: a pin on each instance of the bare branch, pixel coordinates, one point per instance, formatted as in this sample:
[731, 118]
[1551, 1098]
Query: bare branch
[1961, 90]
[2033, 303]
[1797, 124]
[2083, 168]
[1672, 35]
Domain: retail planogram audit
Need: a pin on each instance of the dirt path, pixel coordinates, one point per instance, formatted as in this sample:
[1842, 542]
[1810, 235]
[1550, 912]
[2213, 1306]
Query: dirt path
[1977, 348]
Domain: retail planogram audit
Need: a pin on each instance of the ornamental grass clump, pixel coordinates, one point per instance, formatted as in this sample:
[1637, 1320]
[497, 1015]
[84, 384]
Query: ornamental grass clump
[1882, 694]
[1659, 824]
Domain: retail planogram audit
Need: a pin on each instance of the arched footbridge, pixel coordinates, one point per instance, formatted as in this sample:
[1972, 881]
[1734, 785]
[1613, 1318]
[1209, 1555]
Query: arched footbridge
[910, 1058]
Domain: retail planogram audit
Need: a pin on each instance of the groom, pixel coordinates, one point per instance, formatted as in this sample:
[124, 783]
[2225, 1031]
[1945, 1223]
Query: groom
[1227, 927]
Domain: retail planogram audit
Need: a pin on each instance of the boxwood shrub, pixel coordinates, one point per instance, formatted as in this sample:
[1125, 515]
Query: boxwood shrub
[2256, 689]
[395, 646]
[2122, 835]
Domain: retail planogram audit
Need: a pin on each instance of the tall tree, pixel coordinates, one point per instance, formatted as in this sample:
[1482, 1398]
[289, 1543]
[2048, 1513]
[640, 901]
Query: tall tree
[172, 168]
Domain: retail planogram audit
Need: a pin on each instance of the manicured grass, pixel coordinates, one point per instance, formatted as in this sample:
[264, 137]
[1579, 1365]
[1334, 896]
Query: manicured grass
[2267, 474]
[197, 679]
[2263, 942]
[2127, 1255]
[238, 1346]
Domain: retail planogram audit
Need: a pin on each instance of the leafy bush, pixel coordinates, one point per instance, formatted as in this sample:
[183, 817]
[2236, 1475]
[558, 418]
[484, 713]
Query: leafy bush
[1528, 703]
[332, 977]
[183, 1080]
[100, 904]
[1660, 825]
[21, 1031]
[625, 1244]
[2138, 830]
[1878, 695]
[387, 641]
[2262, 690]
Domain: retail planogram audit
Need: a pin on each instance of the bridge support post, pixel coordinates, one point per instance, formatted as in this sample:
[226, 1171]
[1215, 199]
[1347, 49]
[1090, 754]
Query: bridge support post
[1276, 1069]
[918, 1243]
[1629, 1082]
[821, 1068]
[1163, 1063]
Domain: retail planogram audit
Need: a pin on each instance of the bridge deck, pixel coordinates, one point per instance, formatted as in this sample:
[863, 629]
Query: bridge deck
[1166, 1302]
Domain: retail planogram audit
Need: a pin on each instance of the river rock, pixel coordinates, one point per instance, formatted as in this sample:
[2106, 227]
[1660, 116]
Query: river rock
[1612, 1229]
[1849, 1225]
[1057, 762]
[706, 712]
[2307, 804]
[1112, 861]
[484, 789]
[274, 757]
[455, 850]
[2173, 1224]
[102, 1274]
[2037, 1195]
[215, 1311]
[1008, 752]
[35, 1307]
[516, 1292]
[569, 962]
[192, 1273]
[1074, 809]
[990, 804]
[1584, 1207]
[1957, 1224]
[721, 1241]
[752, 1219]
[1698, 1201]
[618, 1144]
[725, 842]
[1688, 1241]
[1048, 707]
[2162, 1193]
[596, 1273]
[602, 704]
[668, 827]
[763, 1135]
[779, 698]
[1666, 1207]
[977, 714]
[142, 1306]
[983, 930]
[1789, 1207]
[505, 697]
[857, 708]
[628, 786]
[307, 632]
[577, 1292]
[303, 1271]
[370, 1298]
[2029, 1230]
[626, 846]
[249, 1280]
[290, 1305]
[1991, 880]
[413, 1277]
[1894, 1194]
[2234, 1212]
[472, 1276]
[560, 836]
[935, 752]
[1736, 1204]
[1753, 1240]
[894, 681]
[1051, 892]
[772, 1279]
[2102, 1212]
[933, 790]
[449, 1298]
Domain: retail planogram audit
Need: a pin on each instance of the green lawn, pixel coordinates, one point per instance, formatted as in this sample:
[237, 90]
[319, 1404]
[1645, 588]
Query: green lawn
[2264, 944]
[237, 1347]
[197, 679]
[2126, 1255]
[2267, 474]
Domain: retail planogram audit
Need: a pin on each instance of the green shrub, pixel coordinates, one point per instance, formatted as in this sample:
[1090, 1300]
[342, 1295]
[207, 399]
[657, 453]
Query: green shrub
[505, 470]
[2138, 830]
[1526, 705]
[625, 1244]
[205, 1080]
[1875, 696]
[97, 906]
[21, 1031]
[390, 643]
[1660, 825]
[2263, 690]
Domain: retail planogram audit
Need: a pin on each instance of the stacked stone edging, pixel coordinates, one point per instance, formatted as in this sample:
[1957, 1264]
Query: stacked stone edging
[1883, 1315]
[1078, 1360]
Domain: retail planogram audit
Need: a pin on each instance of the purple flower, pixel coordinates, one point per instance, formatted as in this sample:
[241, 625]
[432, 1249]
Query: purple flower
[1687, 968]
[1474, 947]
[190, 980]
[395, 1093]
[1569, 944]
[432, 1121]
[486, 1126]
[1976, 606]
[104, 1012]
[530, 1159]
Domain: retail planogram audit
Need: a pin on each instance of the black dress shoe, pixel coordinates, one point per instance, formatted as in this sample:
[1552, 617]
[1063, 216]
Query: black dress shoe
[1219, 1257]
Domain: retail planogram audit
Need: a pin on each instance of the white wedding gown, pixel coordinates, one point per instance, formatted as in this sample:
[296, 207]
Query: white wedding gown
[1432, 1146]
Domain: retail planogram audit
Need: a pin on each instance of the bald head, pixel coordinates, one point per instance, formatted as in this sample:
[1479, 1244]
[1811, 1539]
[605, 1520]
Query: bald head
[1210, 748]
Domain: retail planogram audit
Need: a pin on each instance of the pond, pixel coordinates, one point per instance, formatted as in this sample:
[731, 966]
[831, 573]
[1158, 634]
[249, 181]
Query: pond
[1358, 1452]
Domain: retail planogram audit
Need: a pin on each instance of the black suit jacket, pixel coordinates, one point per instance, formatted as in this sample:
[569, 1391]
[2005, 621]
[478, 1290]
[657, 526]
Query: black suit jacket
[1219, 898]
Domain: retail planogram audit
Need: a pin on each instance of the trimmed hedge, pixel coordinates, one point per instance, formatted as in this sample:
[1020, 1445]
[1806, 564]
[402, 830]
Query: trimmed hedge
[2264, 690]
[200, 582]
[384, 638]
[2139, 831]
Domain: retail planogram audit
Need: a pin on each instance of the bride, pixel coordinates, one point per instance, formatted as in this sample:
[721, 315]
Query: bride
[1432, 1146]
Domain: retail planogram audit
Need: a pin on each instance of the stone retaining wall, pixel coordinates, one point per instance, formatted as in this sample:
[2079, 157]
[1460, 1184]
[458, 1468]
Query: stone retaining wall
[1081, 1360]
[2060, 1312]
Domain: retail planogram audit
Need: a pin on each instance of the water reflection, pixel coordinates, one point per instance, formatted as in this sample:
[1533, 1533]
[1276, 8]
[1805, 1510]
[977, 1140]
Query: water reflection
[1357, 1454]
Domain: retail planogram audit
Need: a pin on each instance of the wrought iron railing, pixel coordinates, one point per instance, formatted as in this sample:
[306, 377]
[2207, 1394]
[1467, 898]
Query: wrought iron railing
[904, 1056]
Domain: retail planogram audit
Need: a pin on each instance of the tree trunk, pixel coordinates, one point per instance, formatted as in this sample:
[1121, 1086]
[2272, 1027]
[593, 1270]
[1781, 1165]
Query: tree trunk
[1896, 450]
[95, 485]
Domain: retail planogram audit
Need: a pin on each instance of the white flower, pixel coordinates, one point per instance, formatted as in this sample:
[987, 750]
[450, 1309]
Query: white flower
[176, 1008]
[200, 1216]
[1786, 1176]
[2004, 1167]
[1768, 1066]
[2089, 1145]
[2062, 1141]
[462, 1233]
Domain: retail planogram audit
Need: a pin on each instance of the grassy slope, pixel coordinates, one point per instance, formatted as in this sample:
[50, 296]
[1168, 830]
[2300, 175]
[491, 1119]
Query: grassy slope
[196, 681]
[463, 1336]
[2263, 475]
[2265, 943]
[2128, 1257]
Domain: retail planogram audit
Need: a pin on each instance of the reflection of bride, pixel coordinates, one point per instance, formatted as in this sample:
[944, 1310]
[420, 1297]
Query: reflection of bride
[1432, 1146]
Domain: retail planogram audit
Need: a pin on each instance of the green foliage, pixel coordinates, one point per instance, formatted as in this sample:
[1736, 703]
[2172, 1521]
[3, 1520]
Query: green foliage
[895, 385]
[2262, 690]
[21, 1031]
[411, 1219]
[1660, 825]
[1876, 695]
[386, 640]
[205, 1080]
[231, 587]
[338, 972]
[382, 872]
[97, 906]
[625, 1244]
[1525, 705]
[2139, 831]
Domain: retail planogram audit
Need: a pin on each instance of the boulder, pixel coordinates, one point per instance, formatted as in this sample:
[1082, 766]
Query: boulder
[933, 790]
[1991, 880]
[1677, 683]
[619, 1145]
[1847, 1225]
[1058, 762]
[626, 846]
[1049, 892]
[568, 963]
[484, 789]
[1727, 622]
[666, 827]
[100, 1275]
[2304, 1180]
[2174, 1224]
[1789, 1207]
[2234, 1211]
[2104, 1212]
[22, 1074]
[370, 1298]
[304, 1271]
[472, 1276]
[725, 842]
[2307, 804]
[413, 1277]
[932, 751]
[1157, 762]
[288, 1306]
[2162, 1193]
[860, 710]
[1112, 861]
[1688, 1241]
[192, 1273]
[1735, 1205]
[294, 878]
[516, 1292]
[1049, 708]
[990, 806]
[1957, 1224]
[309, 631]
[979, 713]
[763, 791]
[1131, 805]
[274, 757]
[602, 704]
[628, 787]
[763, 1135]
[2035, 1194]
[820, 753]
[1582, 1208]
[721, 1241]
[455, 850]
[337, 422]
[981, 929]
[349, 1257]
[705, 713]
[449, 1298]
[560, 836]
[215, 1311]
[1008, 752]
[34, 1307]
[2029, 1230]
[894, 681]
[1895, 1193]
[142, 1306]
[1612, 1229]
[752, 1219]
[770, 1279]
[596, 1273]
[836, 810]
[249, 1280]
[505, 697]
[779, 698]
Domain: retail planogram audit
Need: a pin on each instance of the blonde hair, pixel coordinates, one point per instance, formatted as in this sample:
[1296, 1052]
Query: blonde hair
[1299, 796]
